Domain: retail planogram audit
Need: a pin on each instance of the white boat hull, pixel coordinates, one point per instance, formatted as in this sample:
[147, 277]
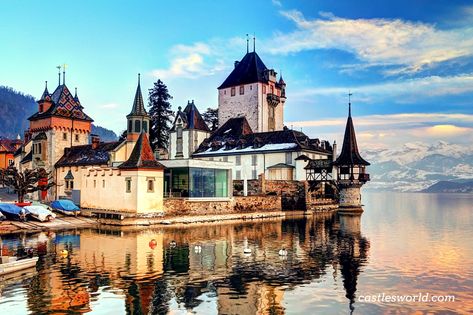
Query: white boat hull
[17, 265]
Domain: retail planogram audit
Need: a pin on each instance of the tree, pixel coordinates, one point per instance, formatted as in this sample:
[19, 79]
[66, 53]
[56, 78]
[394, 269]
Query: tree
[122, 136]
[27, 181]
[161, 115]
[211, 118]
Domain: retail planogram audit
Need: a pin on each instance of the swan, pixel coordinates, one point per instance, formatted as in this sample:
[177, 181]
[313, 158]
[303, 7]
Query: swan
[247, 250]
[282, 252]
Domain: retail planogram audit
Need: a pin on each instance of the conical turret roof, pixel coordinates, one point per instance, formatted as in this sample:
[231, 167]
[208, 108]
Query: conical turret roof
[138, 108]
[350, 154]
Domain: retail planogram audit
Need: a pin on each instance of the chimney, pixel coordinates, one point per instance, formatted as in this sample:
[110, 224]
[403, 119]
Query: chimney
[334, 151]
[95, 140]
[236, 63]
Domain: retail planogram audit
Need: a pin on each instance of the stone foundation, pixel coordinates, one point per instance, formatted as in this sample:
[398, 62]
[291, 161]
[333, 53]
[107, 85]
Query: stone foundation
[183, 206]
[350, 197]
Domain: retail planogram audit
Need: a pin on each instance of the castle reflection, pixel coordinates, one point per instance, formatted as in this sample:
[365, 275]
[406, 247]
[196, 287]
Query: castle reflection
[195, 268]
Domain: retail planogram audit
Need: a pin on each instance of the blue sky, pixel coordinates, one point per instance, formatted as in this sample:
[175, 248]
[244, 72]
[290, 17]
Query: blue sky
[408, 63]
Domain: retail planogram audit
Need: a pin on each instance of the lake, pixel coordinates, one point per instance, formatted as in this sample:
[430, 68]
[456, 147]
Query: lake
[404, 246]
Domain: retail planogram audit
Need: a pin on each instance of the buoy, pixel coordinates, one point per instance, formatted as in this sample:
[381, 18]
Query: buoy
[283, 252]
[247, 250]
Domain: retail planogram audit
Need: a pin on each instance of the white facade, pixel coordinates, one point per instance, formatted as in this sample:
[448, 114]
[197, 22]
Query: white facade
[251, 164]
[191, 139]
[251, 101]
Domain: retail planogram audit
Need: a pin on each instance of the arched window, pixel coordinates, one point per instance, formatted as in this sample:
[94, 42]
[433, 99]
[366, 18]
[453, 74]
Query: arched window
[137, 126]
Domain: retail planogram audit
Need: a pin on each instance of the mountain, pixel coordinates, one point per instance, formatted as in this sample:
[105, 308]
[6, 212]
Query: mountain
[417, 166]
[106, 135]
[16, 107]
[451, 187]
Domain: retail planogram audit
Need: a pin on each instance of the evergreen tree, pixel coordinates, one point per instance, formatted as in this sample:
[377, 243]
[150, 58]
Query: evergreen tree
[161, 115]
[210, 117]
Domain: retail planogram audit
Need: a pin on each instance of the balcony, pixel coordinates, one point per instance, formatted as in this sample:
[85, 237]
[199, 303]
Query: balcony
[273, 99]
[364, 177]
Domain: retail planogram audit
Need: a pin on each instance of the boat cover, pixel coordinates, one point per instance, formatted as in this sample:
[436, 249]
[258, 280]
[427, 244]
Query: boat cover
[65, 205]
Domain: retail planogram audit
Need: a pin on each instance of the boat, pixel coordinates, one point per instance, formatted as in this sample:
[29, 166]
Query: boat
[23, 204]
[13, 212]
[39, 213]
[66, 207]
[2, 217]
[10, 264]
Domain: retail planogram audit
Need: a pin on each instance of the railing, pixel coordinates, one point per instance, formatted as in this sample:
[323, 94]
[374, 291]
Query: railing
[273, 99]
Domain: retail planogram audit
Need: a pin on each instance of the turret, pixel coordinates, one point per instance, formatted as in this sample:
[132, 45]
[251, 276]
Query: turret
[138, 118]
[44, 102]
[351, 169]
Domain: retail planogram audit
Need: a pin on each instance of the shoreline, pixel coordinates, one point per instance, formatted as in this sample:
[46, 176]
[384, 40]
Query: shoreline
[70, 222]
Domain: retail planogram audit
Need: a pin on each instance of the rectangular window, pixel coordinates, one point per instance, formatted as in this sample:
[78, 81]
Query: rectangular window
[64, 136]
[232, 92]
[77, 138]
[251, 87]
[150, 184]
[254, 174]
[242, 89]
[289, 158]
[71, 184]
[39, 148]
[103, 183]
[238, 175]
[264, 89]
[254, 160]
[95, 183]
[272, 89]
[238, 160]
[225, 158]
[128, 185]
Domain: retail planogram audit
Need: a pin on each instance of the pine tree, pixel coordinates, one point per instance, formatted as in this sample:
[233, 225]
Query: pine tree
[210, 117]
[161, 115]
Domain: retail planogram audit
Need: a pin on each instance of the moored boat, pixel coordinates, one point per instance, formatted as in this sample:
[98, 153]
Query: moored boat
[13, 212]
[39, 213]
[11, 264]
[2, 217]
[66, 207]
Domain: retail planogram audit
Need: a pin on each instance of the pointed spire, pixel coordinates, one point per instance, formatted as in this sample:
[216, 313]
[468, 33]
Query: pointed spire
[142, 156]
[254, 42]
[247, 44]
[46, 92]
[75, 94]
[138, 104]
[59, 74]
[350, 154]
[64, 74]
[349, 103]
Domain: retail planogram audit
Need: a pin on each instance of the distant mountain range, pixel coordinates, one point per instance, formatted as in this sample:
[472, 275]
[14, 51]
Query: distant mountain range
[417, 166]
[465, 186]
[16, 107]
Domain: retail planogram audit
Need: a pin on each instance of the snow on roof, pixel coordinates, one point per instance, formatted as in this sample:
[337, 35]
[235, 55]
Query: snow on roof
[266, 147]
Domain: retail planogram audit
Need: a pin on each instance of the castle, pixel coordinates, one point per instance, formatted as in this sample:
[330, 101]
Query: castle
[251, 147]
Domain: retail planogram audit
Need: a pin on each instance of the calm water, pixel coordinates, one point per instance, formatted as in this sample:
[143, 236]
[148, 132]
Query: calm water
[402, 244]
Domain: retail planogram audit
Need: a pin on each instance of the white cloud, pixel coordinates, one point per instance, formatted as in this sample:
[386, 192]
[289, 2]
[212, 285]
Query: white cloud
[431, 86]
[409, 119]
[385, 130]
[199, 59]
[109, 106]
[410, 46]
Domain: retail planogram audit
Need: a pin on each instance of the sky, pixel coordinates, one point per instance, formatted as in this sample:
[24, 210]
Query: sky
[408, 64]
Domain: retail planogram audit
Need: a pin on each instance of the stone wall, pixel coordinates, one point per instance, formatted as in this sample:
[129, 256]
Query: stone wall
[254, 187]
[292, 193]
[183, 206]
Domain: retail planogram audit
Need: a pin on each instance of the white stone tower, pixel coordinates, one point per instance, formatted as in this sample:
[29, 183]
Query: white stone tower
[253, 91]
[351, 170]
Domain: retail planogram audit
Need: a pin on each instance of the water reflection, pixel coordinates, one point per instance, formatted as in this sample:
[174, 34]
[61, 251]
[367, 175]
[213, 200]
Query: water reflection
[203, 269]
